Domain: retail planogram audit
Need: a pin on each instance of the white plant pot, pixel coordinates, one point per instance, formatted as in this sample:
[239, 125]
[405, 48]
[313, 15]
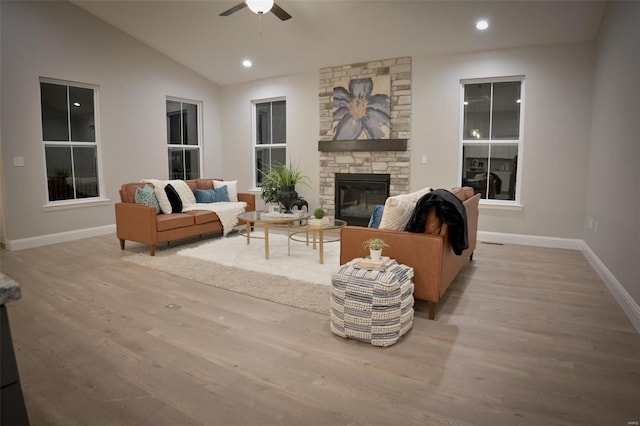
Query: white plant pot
[273, 208]
[375, 254]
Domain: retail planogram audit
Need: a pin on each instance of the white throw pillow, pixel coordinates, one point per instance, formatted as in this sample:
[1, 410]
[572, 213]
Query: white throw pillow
[232, 188]
[399, 208]
[184, 192]
[163, 200]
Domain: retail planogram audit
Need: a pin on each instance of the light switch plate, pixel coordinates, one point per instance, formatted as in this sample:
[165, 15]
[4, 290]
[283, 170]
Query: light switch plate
[18, 161]
[423, 160]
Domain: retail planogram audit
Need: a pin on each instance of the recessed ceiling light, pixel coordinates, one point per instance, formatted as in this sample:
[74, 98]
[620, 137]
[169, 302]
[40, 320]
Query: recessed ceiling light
[247, 63]
[482, 25]
[76, 104]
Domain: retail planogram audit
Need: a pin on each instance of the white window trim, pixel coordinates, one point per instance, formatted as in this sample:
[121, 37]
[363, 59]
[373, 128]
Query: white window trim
[491, 203]
[77, 202]
[254, 146]
[200, 132]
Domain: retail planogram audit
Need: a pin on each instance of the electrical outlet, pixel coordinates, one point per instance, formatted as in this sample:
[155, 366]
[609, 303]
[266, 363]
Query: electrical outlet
[423, 160]
[589, 223]
[595, 226]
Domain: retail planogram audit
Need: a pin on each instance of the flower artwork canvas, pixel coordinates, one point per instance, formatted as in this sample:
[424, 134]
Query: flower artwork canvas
[362, 109]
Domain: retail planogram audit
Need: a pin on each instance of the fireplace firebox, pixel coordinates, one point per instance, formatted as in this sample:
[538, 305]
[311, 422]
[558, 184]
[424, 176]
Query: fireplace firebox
[357, 193]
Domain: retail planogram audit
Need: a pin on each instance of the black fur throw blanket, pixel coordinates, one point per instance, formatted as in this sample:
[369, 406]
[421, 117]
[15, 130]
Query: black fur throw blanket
[452, 212]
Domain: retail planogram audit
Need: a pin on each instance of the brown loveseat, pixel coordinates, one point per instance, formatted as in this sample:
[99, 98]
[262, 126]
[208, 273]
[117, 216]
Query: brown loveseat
[430, 254]
[140, 223]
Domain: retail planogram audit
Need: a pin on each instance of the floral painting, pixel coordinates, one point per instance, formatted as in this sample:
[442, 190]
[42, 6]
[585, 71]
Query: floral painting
[362, 111]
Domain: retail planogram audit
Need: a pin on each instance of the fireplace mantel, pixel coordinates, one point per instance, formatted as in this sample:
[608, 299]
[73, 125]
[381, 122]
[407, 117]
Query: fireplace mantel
[363, 145]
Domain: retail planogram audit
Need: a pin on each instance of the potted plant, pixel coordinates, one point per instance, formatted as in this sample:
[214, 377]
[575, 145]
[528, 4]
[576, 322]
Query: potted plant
[375, 246]
[319, 218]
[278, 184]
[269, 192]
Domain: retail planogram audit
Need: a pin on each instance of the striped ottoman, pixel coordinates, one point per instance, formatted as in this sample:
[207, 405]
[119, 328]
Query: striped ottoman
[372, 305]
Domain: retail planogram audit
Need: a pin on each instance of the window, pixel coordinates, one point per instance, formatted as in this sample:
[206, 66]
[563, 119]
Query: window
[491, 137]
[70, 139]
[183, 139]
[270, 137]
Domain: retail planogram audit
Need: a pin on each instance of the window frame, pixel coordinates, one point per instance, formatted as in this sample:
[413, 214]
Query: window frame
[493, 142]
[73, 202]
[254, 135]
[182, 146]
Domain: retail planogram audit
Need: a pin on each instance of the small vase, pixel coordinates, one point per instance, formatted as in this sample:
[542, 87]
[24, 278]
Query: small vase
[375, 254]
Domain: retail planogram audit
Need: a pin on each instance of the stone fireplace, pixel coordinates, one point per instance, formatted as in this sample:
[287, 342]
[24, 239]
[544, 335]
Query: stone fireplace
[357, 193]
[386, 157]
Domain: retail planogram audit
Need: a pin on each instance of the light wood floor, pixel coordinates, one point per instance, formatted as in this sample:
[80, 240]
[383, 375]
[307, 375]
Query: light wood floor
[526, 336]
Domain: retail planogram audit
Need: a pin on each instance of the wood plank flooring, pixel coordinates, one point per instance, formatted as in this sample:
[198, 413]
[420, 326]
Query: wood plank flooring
[526, 336]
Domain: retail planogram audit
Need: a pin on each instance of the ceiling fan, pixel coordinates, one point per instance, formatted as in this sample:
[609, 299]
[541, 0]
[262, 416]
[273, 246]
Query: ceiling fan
[260, 7]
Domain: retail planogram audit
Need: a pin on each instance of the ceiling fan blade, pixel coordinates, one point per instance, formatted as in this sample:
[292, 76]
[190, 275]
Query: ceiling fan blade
[280, 12]
[234, 9]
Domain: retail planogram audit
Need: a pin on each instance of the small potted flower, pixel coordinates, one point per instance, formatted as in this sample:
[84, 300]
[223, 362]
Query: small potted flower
[375, 246]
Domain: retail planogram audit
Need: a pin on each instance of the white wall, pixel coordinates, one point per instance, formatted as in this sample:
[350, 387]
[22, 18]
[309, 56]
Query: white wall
[557, 128]
[613, 183]
[59, 40]
[301, 92]
[556, 132]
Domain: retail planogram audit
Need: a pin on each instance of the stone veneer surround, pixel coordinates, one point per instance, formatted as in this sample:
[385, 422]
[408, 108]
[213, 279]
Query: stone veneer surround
[395, 163]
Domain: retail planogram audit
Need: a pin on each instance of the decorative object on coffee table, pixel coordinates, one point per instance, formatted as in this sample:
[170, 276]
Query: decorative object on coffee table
[287, 196]
[269, 191]
[372, 305]
[274, 208]
[278, 184]
[300, 203]
[318, 218]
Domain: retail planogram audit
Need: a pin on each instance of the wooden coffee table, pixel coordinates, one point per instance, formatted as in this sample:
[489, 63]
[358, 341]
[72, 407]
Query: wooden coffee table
[267, 219]
[317, 233]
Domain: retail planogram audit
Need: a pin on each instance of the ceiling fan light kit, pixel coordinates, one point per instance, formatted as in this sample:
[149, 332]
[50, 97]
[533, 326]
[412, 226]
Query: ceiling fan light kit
[260, 6]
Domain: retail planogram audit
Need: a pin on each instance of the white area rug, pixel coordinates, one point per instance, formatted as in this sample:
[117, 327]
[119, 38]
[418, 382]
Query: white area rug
[303, 263]
[228, 263]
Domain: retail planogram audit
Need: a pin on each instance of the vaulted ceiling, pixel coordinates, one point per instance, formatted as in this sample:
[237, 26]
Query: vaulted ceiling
[326, 33]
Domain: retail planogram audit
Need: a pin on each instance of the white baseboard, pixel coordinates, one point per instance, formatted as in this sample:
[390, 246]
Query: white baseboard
[624, 299]
[530, 240]
[61, 237]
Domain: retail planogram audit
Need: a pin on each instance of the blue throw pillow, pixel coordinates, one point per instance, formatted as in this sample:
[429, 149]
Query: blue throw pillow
[212, 195]
[376, 216]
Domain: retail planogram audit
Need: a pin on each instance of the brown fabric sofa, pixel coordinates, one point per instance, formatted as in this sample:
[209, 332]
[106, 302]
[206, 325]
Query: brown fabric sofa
[429, 253]
[140, 223]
